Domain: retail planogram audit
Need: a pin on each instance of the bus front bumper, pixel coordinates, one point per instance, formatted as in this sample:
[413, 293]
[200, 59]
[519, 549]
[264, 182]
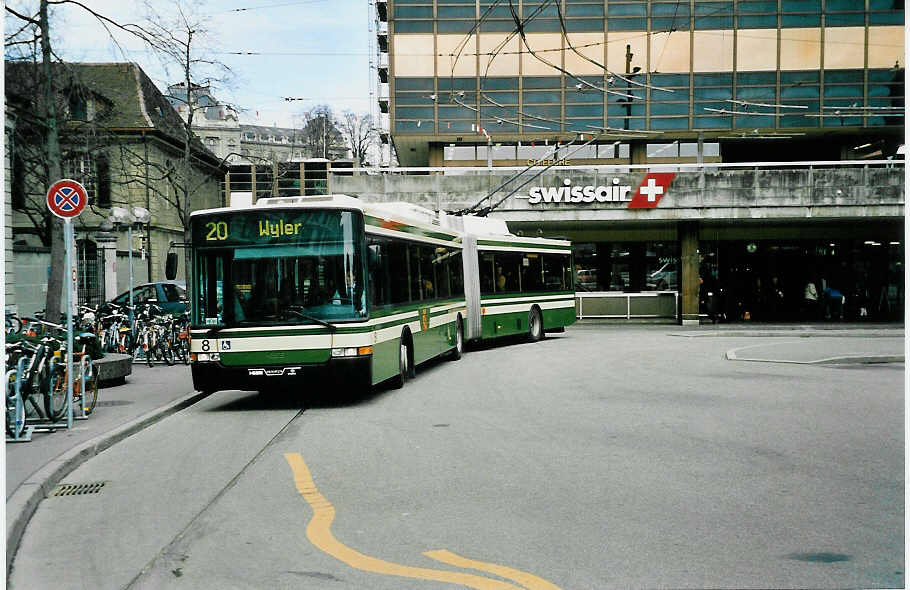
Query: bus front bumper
[355, 372]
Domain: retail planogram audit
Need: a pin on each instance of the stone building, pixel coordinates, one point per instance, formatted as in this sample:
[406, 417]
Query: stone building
[122, 140]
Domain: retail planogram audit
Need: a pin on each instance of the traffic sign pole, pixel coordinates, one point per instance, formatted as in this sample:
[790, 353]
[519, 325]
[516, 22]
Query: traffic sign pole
[68, 236]
[66, 199]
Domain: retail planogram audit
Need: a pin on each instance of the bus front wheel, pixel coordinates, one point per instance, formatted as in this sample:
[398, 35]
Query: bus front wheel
[404, 368]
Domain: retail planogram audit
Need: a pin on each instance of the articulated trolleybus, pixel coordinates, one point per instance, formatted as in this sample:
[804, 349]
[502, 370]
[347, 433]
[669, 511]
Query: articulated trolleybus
[296, 288]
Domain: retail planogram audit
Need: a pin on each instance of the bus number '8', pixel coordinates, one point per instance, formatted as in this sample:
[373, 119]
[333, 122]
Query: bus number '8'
[217, 230]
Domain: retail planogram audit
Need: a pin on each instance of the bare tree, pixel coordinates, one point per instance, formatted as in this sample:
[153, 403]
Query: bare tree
[39, 28]
[359, 133]
[182, 42]
[180, 39]
[320, 132]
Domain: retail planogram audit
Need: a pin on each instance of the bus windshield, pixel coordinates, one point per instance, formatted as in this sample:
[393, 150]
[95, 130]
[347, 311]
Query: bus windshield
[305, 268]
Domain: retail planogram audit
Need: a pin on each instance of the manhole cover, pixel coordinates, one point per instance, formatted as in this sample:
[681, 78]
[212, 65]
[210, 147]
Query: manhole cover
[77, 489]
[109, 403]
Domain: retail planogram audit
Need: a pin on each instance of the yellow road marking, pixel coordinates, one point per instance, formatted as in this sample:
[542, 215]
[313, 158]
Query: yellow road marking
[529, 581]
[319, 533]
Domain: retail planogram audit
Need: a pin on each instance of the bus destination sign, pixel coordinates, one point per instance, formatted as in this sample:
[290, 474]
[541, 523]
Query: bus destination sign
[273, 227]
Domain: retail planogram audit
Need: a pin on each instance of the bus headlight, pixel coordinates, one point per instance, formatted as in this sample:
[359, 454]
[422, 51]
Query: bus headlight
[204, 357]
[352, 351]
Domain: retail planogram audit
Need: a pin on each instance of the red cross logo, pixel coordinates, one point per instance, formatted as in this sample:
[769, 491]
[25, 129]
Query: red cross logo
[652, 188]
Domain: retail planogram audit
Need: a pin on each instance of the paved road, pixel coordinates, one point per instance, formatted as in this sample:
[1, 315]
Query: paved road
[608, 457]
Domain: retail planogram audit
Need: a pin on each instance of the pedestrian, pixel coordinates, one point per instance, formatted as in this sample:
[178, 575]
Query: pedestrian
[774, 299]
[810, 301]
[834, 303]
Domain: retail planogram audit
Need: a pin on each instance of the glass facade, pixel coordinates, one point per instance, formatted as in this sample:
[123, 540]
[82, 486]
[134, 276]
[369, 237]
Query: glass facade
[626, 266]
[674, 102]
[837, 64]
[759, 280]
[767, 280]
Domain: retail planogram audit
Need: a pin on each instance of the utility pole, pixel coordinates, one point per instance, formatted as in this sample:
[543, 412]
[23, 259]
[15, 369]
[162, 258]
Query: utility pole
[628, 85]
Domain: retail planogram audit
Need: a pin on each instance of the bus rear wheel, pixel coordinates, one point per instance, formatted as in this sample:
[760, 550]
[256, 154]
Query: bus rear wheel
[459, 340]
[535, 325]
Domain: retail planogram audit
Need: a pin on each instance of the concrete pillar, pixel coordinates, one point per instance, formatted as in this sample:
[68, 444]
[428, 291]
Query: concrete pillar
[107, 243]
[638, 152]
[436, 158]
[689, 260]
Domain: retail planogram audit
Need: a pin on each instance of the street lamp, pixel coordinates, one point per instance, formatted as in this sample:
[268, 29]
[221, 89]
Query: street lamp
[121, 216]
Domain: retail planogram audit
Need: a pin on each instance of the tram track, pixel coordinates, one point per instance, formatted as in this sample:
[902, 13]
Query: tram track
[172, 549]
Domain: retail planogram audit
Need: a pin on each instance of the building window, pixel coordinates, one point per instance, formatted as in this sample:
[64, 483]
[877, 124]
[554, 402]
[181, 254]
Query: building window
[103, 178]
[81, 168]
[17, 188]
[78, 108]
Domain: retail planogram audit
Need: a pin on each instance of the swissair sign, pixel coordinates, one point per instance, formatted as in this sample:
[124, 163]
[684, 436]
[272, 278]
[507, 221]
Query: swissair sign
[653, 187]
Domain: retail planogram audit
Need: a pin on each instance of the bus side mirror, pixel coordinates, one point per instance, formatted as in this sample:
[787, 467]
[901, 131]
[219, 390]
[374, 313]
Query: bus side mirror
[170, 266]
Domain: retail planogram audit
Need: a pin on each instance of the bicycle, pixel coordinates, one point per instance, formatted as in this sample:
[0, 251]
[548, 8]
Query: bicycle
[85, 381]
[38, 376]
[181, 337]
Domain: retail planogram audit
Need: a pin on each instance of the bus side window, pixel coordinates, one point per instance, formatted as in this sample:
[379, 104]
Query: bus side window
[531, 272]
[427, 276]
[555, 271]
[456, 274]
[442, 257]
[398, 272]
[487, 277]
[378, 262]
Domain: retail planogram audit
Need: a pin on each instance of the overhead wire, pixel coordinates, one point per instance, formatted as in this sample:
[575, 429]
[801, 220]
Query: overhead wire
[565, 34]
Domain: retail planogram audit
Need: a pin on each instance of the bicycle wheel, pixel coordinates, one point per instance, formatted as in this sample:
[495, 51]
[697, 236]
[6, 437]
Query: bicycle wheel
[55, 392]
[151, 350]
[89, 385]
[125, 343]
[184, 348]
[141, 346]
[167, 352]
[15, 409]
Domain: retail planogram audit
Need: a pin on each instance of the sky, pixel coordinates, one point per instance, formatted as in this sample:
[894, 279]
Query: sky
[316, 50]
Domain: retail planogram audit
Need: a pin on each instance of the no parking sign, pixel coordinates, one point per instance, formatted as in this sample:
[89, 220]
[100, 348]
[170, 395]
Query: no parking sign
[66, 198]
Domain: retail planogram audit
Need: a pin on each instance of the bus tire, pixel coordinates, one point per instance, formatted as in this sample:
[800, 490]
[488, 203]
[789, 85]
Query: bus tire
[535, 325]
[403, 362]
[459, 340]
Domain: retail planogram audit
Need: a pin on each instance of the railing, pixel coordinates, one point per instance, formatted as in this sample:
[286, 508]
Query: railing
[620, 168]
[617, 305]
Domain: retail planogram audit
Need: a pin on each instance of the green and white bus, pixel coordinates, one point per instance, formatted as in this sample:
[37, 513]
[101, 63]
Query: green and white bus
[295, 288]
[514, 284]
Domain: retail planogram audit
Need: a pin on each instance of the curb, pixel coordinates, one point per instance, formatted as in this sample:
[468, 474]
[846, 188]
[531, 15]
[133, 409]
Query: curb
[836, 360]
[796, 333]
[25, 500]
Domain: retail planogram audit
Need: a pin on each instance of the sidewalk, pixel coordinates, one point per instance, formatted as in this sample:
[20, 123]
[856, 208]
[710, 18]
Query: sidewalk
[34, 468]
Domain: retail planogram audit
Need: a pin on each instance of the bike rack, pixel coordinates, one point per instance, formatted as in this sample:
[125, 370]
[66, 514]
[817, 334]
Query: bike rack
[19, 408]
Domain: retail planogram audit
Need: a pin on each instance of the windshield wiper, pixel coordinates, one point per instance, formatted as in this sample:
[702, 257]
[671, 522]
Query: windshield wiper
[305, 316]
